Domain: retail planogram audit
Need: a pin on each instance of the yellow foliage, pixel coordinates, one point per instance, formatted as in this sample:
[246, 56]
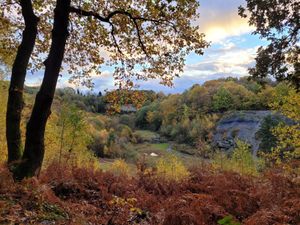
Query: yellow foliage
[172, 169]
[150, 117]
[128, 202]
[103, 134]
[117, 98]
[120, 167]
[241, 160]
[3, 101]
[287, 102]
[66, 142]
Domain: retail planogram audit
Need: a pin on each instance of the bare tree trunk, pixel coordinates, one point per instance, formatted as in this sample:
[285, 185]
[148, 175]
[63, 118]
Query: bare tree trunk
[15, 96]
[34, 146]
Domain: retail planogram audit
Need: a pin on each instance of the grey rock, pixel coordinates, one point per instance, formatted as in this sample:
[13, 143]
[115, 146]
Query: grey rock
[241, 125]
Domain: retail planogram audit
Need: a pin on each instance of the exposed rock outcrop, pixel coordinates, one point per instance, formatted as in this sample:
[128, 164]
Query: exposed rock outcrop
[241, 125]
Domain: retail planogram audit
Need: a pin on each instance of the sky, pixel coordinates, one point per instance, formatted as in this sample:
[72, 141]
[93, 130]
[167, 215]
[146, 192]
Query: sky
[231, 52]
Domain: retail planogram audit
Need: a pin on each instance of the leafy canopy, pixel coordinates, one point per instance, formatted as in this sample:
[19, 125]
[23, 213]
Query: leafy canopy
[140, 39]
[278, 22]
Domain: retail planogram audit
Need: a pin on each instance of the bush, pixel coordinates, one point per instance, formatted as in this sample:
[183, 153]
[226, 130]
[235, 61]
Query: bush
[170, 168]
[268, 139]
[142, 136]
[128, 120]
[120, 167]
[126, 134]
[241, 160]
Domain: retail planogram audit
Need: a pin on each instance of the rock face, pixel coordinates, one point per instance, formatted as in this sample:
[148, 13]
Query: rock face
[241, 125]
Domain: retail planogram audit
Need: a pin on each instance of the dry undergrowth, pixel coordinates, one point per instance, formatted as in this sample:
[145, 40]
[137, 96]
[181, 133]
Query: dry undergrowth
[82, 196]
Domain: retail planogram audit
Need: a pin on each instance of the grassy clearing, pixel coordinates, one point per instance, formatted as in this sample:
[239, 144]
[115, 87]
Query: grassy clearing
[161, 146]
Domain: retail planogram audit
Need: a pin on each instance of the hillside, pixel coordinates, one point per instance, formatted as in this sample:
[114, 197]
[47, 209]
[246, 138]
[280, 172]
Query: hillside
[153, 112]
[168, 163]
[82, 196]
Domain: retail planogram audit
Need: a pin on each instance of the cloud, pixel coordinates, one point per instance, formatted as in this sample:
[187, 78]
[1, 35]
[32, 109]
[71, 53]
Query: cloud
[232, 51]
[235, 61]
[219, 20]
[183, 83]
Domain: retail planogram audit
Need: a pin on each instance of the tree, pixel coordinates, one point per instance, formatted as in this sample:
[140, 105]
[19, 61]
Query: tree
[268, 140]
[198, 98]
[7, 48]
[15, 97]
[72, 130]
[222, 100]
[277, 21]
[144, 40]
[287, 135]
[3, 100]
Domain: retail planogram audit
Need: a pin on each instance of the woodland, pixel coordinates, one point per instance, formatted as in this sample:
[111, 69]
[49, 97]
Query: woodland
[226, 151]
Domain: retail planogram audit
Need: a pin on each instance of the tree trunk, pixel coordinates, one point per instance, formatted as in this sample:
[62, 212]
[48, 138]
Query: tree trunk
[15, 96]
[34, 146]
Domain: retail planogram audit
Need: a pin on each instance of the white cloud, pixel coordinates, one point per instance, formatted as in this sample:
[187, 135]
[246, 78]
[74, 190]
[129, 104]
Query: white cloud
[219, 20]
[221, 61]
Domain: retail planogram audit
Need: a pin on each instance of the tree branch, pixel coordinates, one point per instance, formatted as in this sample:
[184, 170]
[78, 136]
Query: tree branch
[134, 19]
[112, 32]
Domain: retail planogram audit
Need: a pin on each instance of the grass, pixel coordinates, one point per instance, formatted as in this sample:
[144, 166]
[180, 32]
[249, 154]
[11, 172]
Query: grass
[107, 164]
[144, 150]
[161, 146]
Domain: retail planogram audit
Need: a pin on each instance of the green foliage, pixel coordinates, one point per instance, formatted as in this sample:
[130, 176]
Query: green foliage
[241, 160]
[129, 203]
[67, 138]
[228, 220]
[89, 102]
[222, 100]
[188, 118]
[7, 47]
[142, 136]
[128, 120]
[265, 133]
[287, 102]
[161, 146]
[148, 117]
[278, 22]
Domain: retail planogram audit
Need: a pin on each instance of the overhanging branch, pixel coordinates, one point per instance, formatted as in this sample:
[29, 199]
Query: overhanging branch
[134, 20]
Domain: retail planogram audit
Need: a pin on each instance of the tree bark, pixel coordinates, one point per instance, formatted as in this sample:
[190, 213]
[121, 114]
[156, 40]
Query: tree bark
[34, 145]
[15, 96]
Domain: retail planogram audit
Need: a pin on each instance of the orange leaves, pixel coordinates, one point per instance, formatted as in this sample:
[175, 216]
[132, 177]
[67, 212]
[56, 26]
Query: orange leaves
[124, 98]
[141, 39]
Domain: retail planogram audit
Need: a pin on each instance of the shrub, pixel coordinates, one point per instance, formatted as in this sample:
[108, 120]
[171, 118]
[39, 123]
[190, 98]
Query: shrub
[67, 139]
[240, 161]
[268, 139]
[204, 149]
[287, 102]
[126, 133]
[228, 220]
[142, 136]
[172, 169]
[120, 167]
[99, 142]
[128, 120]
